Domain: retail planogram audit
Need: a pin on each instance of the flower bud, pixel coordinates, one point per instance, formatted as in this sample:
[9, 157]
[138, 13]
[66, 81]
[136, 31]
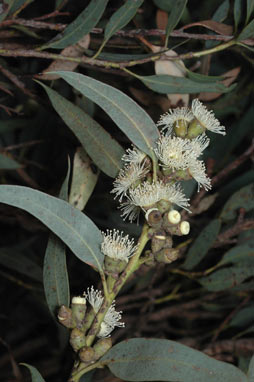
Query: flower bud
[180, 128]
[185, 227]
[77, 339]
[153, 217]
[101, 347]
[65, 317]
[114, 266]
[173, 217]
[78, 307]
[167, 255]
[158, 241]
[87, 354]
[164, 205]
[194, 129]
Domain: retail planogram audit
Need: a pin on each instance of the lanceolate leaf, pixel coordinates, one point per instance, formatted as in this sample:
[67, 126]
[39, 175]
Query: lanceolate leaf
[102, 148]
[121, 18]
[7, 163]
[140, 359]
[247, 32]
[251, 370]
[81, 26]
[167, 84]
[175, 15]
[55, 275]
[75, 229]
[240, 199]
[36, 377]
[126, 113]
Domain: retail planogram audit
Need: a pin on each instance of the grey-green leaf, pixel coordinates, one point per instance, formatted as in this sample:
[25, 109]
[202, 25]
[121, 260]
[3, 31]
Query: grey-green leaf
[121, 18]
[250, 8]
[202, 244]
[36, 376]
[166, 84]
[227, 278]
[55, 275]
[237, 12]
[244, 198]
[175, 16]
[7, 163]
[75, 229]
[81, 26]
[125, 112]
[247, 32]
[140, 359]
[251, 370]
[98, 143]
[238, 254]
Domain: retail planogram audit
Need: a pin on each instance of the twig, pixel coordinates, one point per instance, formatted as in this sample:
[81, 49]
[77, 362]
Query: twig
[21, 145]
[224, 238]
[34, 24]
[16, 81]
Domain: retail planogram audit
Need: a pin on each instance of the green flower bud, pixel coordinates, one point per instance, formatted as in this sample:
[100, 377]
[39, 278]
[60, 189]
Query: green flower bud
[167, 255]
[87, 354]
[180, 128]
[78, 307]
[101, 347]
[65, 317]
[77, 339]
[195, 129]
[114, 266]
[164, 205]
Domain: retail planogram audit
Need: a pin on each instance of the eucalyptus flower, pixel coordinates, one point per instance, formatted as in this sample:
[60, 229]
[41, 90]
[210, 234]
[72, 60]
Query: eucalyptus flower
[174, 117]
[197, 170]
[146, 195]
[206, 118]
[117, 246]
[134, 156]
[111, 318]
[172, 152]
[128, 177]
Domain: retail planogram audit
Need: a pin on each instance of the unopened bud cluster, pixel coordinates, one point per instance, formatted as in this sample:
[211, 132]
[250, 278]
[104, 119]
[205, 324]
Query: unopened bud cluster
[163, 226]
[78, 319]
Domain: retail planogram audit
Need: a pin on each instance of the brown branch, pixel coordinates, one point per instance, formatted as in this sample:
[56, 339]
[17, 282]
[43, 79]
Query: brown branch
[33, 24]
[16, 81]
[224, 238]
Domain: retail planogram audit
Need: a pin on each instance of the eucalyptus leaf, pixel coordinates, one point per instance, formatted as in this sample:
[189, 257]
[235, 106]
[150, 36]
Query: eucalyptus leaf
[251, 370]
[121, 18]
[244, 317]
[175, 16]
[98, 143]
[141, 359]
[36, 376]
[227, 278]
[237, 12]
[81, 26]
[247, 32]
[244, 198]
[5, 8]
[238, 254]
[167, 84]
[250, 8]
[75, 229]
[197, 77]
[126, 113]
[165, 5]
[7, 163]
[202, 244]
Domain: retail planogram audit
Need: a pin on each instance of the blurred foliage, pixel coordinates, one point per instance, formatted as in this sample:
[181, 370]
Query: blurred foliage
[203, 300]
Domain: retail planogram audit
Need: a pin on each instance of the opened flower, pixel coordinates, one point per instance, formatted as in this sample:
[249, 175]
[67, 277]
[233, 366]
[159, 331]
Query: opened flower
[111, 318]
[206, 118]
[117, 246]
[175, 117]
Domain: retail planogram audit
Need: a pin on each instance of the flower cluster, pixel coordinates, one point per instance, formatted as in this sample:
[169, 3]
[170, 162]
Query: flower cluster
[178, 151]
[112, 317]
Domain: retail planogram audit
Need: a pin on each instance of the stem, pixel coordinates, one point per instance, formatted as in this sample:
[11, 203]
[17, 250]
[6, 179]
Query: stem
[131, 267]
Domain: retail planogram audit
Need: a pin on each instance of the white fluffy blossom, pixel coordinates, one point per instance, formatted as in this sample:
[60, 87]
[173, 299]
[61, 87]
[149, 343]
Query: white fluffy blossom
[117, 246]
[173, 116]
[134, 156]
[172, 152]
[206, 118]
[148, 194]
[197, 145]
[197, 170]
[111, 318]
[127, 178]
